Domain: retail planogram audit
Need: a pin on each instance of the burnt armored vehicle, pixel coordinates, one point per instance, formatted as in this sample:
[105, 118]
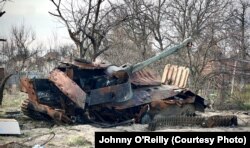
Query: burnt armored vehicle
[84, 92]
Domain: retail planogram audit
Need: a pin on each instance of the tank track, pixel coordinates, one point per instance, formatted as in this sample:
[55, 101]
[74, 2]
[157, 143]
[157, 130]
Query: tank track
[208, 122]
[28, 109]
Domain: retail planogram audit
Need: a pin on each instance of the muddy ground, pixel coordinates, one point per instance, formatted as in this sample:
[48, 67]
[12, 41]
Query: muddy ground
[52, 135]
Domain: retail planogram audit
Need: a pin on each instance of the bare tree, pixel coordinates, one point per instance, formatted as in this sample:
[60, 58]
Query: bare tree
[166, 22]
[89, 23]
[53, 42]
[204, 21]
[157, 16]
[123, 49]
[66, 50]
[137, 26]
[240, 35]
[18, 49]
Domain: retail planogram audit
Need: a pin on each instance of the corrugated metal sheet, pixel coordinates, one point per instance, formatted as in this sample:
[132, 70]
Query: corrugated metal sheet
[175, 75]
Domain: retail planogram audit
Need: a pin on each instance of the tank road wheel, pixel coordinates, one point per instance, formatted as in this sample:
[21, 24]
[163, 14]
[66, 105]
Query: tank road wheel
[28, 109]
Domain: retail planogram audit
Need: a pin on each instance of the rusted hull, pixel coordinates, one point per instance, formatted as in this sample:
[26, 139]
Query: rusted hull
[102, 104]
[68, 87]
[90, 93]
[57, 115]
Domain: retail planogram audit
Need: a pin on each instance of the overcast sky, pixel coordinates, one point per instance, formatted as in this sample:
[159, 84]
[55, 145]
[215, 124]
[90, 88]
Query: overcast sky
[34, 13]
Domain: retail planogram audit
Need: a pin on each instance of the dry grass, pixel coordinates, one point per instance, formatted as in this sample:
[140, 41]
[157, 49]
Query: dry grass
[13, 100]
[78, 141]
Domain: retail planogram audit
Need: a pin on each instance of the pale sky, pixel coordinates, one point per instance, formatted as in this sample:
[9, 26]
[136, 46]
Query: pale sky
[34, 13]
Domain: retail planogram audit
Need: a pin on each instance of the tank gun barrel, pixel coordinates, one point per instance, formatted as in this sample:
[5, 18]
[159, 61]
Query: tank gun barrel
[166, 52]
[133, 68]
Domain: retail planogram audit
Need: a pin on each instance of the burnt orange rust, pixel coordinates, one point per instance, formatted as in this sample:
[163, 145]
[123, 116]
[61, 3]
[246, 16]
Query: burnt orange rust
[145, 77]
[105, 90]
[24, 83]
[57, 115]
[70, 73]
[162, 104]
[27, 86]
[68, 87]
[122, 76]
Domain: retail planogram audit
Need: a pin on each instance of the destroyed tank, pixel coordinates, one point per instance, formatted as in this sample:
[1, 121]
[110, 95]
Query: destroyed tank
[83, 92]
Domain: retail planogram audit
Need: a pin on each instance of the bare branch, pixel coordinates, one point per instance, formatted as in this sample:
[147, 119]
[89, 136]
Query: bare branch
[88, 22]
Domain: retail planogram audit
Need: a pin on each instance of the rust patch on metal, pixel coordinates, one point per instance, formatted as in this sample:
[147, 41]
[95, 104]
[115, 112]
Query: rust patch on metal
[145, 77]
[87, 65]
[162, 104]
[27, 86]
[68, 87]
[70, 73]
[24, 84]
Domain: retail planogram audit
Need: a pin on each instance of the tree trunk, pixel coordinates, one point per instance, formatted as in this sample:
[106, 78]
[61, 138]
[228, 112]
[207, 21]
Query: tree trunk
[2, 87]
